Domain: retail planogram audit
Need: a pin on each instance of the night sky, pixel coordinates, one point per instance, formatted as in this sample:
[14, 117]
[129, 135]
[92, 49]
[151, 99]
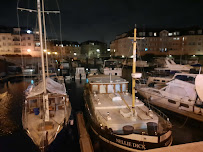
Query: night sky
[104, 19]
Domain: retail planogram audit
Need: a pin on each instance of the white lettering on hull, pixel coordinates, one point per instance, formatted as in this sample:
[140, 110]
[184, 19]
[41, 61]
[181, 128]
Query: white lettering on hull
[130, 144]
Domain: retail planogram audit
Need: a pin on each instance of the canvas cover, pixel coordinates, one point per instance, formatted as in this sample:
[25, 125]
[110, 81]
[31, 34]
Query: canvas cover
[182, 88]
[199, 85]
[51, 86]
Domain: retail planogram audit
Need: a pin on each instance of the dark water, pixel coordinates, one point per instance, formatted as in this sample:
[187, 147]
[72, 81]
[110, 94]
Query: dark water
[14, 138]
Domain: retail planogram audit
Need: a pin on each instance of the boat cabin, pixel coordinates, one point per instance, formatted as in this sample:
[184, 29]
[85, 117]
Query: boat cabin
[111, 85]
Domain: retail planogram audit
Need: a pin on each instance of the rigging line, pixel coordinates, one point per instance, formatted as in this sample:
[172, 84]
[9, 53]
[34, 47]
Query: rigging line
[53, 32]
[60, 27]
[183, 123]
[127, 56]
[45, 38]
[28, 14]
[18, 20]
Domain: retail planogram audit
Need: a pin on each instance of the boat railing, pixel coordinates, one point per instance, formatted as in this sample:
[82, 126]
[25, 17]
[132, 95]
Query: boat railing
[159, 113]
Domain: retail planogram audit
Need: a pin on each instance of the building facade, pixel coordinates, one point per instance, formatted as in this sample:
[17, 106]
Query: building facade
[65, 49]
[93, 49]
[187, 41]
[17, 41]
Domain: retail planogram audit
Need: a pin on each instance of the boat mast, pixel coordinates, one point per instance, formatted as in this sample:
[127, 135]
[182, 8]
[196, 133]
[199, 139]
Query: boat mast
[41, 44]
[45, 38]
[134, 69]
[45, 96]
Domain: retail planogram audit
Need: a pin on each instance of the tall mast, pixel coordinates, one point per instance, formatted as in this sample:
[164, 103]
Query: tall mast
[134, 68]
[41, 44]
[45, 38]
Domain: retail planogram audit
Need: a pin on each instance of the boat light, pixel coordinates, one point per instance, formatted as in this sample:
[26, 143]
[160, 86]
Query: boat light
[108, 116]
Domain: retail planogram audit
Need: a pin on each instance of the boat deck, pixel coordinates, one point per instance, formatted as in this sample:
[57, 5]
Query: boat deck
[109, 112]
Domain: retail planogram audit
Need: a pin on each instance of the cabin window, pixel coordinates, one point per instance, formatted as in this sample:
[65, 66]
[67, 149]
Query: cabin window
[184, 105]
[33, 103]
[172, 101]
[94, 88]
[118, 88]
[123, 87]
[102, 89]
[110, 89]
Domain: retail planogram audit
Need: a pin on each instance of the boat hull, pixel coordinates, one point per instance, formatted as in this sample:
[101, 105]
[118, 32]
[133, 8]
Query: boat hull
[129, 142]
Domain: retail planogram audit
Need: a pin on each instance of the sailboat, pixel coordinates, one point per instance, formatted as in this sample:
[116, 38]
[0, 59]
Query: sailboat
[47, 107]
[121, 119]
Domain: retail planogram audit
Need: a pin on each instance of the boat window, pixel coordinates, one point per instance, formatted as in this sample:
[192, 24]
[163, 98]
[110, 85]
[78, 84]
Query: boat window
[172, 101]
[118, 88]
[110, 89]
[33, 103]
[185, 78]
[123, 87]
[155, 91]
[94, 88]
[184, 105]
[102, 89]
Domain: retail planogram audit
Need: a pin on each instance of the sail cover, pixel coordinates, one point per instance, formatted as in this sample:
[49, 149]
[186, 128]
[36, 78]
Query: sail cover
[51, 86]
[199, 85]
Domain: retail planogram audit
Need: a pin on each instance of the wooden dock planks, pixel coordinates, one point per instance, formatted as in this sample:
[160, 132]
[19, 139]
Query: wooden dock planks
[85, 141]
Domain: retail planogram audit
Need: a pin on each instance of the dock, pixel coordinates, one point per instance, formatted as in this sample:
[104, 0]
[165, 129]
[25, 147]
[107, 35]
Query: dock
[182, 112]
[85, 141]
[189, 147]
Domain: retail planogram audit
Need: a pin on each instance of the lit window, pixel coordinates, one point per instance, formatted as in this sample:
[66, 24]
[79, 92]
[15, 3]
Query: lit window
[170, 34]
[37, 44]
[155, 34]
[29, 31]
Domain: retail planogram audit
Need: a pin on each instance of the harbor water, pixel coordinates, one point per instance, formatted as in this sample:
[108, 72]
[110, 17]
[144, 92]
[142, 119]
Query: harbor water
[13, 138]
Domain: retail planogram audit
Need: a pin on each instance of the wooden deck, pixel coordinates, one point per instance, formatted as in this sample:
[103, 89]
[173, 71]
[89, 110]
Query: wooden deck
[85, 141]
[182, 112]
[190, 147]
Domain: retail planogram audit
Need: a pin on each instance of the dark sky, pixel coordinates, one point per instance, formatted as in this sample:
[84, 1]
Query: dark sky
[104, 19]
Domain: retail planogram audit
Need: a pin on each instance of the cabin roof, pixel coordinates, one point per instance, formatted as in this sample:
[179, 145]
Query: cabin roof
[106, 79]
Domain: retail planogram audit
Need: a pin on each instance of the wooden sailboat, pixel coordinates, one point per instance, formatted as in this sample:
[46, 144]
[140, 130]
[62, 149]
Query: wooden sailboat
[47, 107]
[121, 119]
